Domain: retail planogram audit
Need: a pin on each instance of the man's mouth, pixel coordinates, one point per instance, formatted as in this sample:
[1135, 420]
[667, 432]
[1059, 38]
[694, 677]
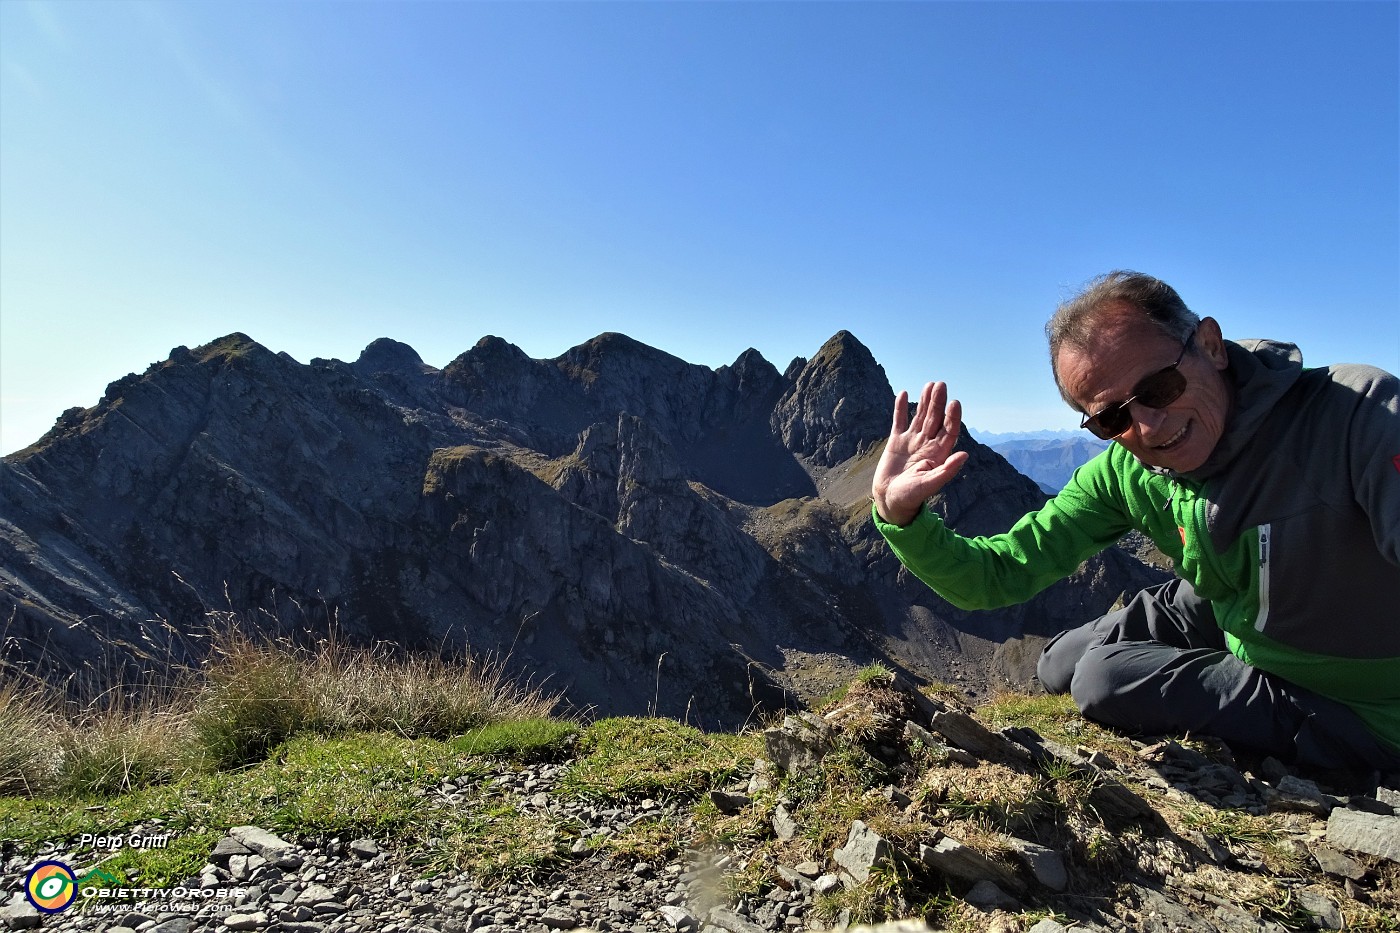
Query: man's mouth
[1176, 439]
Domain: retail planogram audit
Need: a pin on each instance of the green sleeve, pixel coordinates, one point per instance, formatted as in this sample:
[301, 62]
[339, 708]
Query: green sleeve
[1044, 546]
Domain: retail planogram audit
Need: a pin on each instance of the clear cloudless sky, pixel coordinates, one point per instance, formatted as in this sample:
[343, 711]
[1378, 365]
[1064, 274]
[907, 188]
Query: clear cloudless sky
[705, 177]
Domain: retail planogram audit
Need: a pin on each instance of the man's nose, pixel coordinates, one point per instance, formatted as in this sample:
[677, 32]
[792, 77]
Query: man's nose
[1146, 420]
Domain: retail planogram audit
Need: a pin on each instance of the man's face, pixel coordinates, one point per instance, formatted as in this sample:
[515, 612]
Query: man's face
[1127, 347]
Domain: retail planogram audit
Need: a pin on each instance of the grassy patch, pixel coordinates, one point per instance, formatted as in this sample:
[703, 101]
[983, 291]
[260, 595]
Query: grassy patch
[364, 784]
[502, 842]
[269, 734]
[1051, 715]
[533, 739]
[172, 865]
[661, 758]
[260, 692]
[876, 673]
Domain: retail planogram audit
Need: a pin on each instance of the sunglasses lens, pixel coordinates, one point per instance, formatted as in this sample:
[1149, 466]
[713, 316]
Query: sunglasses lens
[1156, 391]
[1110, 422]
[1162, 388]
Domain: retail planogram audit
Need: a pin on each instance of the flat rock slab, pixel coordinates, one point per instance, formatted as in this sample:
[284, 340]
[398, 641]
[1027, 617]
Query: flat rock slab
[1370, 833]
[275, 849]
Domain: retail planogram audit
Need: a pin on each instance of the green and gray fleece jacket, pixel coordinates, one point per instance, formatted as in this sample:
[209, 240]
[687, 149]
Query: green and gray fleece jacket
[1291, 529]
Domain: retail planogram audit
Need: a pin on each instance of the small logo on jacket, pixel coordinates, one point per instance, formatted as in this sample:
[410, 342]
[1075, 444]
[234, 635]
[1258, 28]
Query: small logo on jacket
[1396, 461]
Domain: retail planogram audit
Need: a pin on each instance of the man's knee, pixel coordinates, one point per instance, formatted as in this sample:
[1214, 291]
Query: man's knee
[1123, 685]
[1061, 655]
[1094, 686]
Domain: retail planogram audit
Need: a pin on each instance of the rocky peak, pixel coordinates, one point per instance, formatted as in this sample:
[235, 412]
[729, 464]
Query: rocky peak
[495, 379]
[232, 347]
[750, 369]
[838, 404]
[386, 355]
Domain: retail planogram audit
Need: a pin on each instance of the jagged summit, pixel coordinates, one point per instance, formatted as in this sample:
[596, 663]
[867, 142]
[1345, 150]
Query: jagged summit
[232, 346]
[838, 404]
[645, 533]
[388, 355]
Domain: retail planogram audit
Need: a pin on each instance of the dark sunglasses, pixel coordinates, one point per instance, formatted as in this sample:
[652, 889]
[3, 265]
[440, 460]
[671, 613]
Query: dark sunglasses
[1155, 391]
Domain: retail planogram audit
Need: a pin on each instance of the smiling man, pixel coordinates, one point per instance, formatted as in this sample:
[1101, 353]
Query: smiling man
[1275, 488]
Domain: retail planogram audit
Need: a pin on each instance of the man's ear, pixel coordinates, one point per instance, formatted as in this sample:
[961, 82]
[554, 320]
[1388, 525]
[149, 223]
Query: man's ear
[1211, 343]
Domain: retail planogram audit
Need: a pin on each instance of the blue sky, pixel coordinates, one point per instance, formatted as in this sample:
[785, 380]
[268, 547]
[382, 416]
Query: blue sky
[705, 177]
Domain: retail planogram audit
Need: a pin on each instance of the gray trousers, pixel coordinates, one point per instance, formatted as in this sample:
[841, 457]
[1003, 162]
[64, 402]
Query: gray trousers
[1159, 666]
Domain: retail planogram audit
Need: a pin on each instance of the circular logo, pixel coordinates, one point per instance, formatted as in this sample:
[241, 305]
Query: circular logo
[51, 886]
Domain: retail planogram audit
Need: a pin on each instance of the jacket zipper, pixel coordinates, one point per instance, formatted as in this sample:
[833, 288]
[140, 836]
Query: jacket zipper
[1265, 532]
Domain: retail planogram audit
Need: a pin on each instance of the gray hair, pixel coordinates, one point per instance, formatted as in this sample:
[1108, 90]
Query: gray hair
[1076, 320]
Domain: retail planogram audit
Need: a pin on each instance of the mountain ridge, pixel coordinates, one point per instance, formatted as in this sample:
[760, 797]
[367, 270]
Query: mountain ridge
[651, 534]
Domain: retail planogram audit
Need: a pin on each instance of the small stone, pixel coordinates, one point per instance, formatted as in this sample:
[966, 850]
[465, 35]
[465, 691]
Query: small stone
[1296, 793]
[1337, 863]
[19, 914]
[784, 826]
[678, 917]
[987, 895]
[864, 849]
[276, 850]
[1323, 909]
[1048, 926]
[174, 925]
[315, 894]
[1273, 770]
[1370, 805]
[1212, 847]
[729, 804]
[1364, 832]
[733, 923]
[559, 918]
[228, 846]
[363, 848]
[1047, 865]
[896, 796]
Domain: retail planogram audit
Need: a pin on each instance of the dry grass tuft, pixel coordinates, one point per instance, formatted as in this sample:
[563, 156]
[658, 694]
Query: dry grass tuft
[28, 755]
[251, 693]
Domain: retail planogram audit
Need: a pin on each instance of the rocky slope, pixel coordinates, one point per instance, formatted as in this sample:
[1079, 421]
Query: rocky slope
[640, 533]
[950, 819]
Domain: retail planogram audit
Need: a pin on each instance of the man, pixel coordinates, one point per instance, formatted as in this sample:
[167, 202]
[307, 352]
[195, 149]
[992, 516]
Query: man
[1274, 488]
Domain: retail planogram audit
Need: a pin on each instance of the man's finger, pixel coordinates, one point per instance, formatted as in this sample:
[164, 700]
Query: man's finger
[901, 413]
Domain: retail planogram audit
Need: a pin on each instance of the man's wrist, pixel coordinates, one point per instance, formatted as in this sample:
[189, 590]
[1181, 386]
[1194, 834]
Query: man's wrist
[899, 520]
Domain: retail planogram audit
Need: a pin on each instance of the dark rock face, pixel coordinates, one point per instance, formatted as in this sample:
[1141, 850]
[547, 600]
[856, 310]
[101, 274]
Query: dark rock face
[643, 534]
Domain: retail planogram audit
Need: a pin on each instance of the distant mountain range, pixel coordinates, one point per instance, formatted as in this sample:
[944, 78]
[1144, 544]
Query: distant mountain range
[989, 437]
[641, 534]
[1050, 457]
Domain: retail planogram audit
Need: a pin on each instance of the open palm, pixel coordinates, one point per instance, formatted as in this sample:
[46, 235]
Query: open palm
[918, 460]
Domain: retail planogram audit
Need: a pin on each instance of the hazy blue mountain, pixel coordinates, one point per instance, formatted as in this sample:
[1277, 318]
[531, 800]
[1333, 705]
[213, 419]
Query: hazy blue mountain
[1050, 461]
[991, 437]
